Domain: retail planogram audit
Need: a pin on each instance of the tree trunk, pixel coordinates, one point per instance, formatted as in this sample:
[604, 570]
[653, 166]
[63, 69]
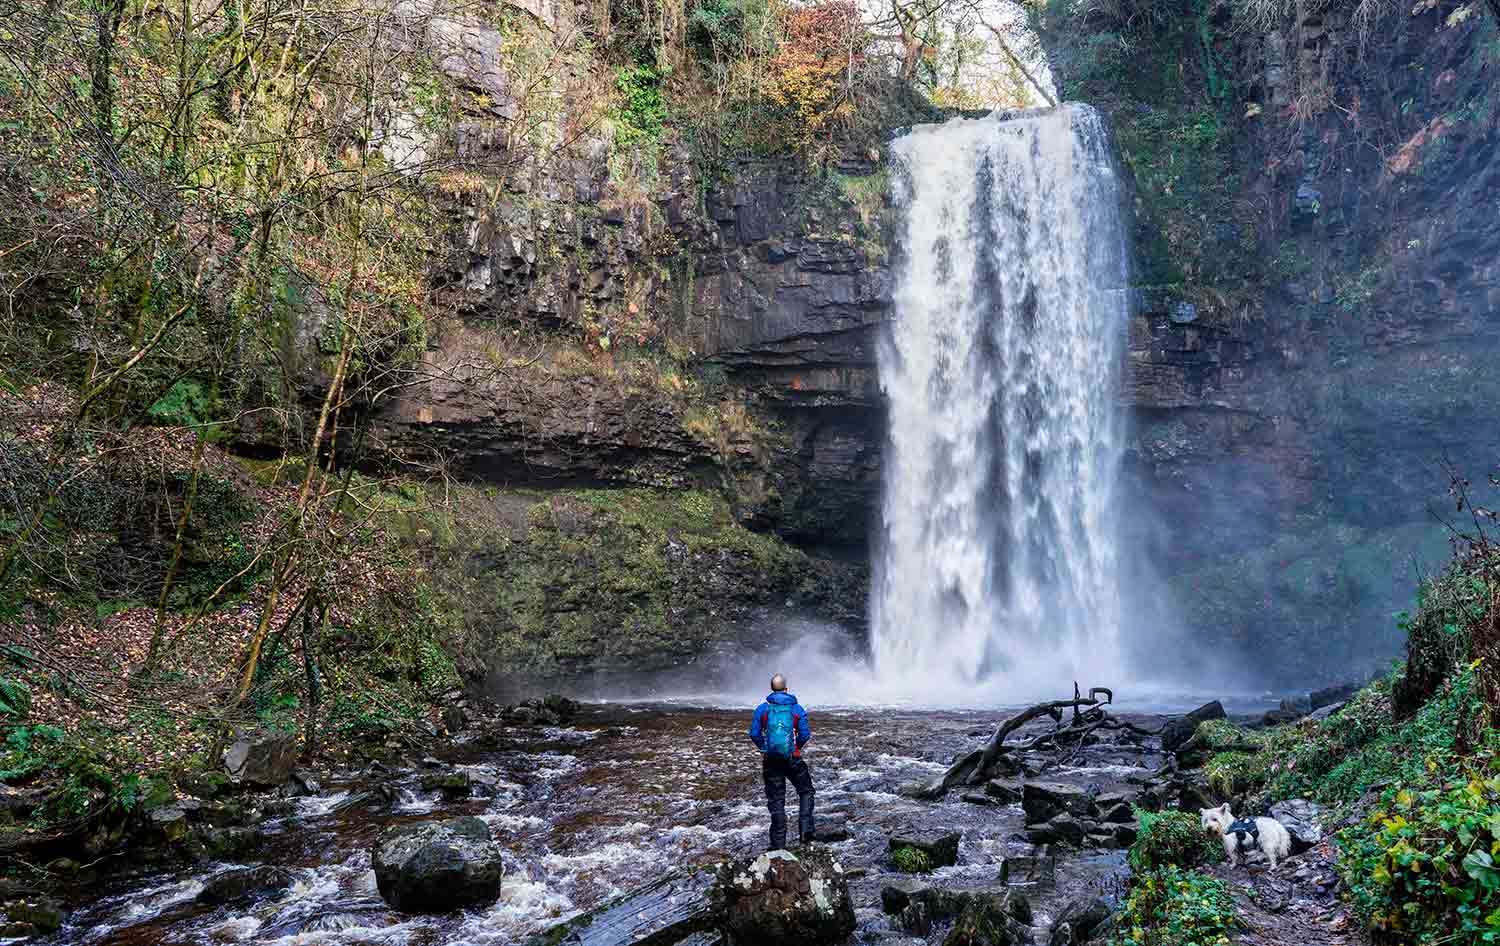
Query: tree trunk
[153, 653]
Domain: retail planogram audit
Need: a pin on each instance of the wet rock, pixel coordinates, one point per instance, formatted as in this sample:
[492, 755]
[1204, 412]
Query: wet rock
[453, 718]
[209, 785]
[1061, 829]
[903, 891]
[941, 849]
[1005, 793]
[1302, 819]
[171, 824]
[36, 915]
[781, 897]
[1117, 813]
[302, 783]
[243, 882]
[1329, 696]
[1044, 800]
[437, 866]
[1193, 794]
[831, 829]
[1078, 920]
[915, 918]
[670, 909]
[451, 786]
[1323, 712]
[1038, 871]
[1176, 733]
[978, 798]
[230, 843]
[1125, 834]
[986, 922]
[262, 759]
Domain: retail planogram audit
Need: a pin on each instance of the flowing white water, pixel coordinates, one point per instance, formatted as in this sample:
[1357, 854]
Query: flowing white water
[997, 576]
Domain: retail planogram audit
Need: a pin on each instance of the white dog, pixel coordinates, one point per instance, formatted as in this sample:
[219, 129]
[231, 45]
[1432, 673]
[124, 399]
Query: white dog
[1245, 836]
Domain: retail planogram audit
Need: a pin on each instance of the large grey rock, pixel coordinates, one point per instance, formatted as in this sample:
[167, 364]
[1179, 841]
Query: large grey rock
[262, 759]
[1077, 921]
[782, 897]
[1302, 819]
[1063, 828]
[1179, 731]
[941, 849]
[669, 910]
[989, 920]
[1043, 800]
[1329, 696]
[437, 866]
[240, 883]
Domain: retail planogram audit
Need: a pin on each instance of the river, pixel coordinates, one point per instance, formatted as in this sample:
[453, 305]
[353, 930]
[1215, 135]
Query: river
[592, 809]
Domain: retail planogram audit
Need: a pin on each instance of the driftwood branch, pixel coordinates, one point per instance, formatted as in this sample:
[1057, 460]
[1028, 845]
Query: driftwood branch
[978, 766]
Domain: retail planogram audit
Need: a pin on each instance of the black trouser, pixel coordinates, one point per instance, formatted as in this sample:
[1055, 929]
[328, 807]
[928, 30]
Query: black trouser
[776, 771]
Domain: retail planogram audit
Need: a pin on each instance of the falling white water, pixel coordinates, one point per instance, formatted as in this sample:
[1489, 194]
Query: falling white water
[997, 576]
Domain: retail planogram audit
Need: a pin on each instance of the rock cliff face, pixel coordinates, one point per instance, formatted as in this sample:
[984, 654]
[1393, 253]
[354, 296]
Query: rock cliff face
[1291, 431]
[1321, 282]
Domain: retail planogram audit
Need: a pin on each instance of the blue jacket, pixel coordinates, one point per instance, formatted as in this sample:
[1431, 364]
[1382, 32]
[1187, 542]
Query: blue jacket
[762, 712]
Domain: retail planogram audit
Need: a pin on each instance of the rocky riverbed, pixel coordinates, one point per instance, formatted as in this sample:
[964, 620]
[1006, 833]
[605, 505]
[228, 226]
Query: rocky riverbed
[618, 796]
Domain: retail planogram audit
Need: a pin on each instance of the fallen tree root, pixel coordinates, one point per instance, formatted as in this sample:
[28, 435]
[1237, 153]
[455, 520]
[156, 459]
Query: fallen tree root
[1089, 715]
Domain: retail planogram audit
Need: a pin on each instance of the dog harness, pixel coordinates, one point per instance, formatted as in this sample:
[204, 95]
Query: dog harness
[1243, 827]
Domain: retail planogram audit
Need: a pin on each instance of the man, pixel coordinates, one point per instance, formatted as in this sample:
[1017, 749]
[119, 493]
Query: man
[779, 730]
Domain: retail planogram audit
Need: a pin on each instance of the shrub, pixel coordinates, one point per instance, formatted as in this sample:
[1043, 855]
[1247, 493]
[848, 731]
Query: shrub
[1176, 907]
[1422, 866]
[911, 860]
[1171, 838]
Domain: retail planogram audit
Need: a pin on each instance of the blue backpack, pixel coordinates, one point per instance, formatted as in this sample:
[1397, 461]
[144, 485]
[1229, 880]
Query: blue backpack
[781, 730]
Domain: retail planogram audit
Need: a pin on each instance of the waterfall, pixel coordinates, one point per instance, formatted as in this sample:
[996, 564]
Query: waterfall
[997, 575]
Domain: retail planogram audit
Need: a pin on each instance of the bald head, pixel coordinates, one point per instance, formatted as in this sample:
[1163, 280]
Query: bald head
[778, 683]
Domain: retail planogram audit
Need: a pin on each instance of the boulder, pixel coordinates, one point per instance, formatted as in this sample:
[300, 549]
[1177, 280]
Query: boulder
[1302, 819]
[1323, 712]
[243, 882]
[901, 892]
[1179, 731]
[673, 908]
[781, 897]
[1062, 829]
[450, 786]
[1078, 920]
[208, 785]
[1036, 871]
[1125, 834]
[1118, 813]
[1005, 793]
[262, 759]
[941, 849]
[915, 918]
[1043, 800]
[230, 843]
[1328, 696]
[35, 915]
[170, 822]
[302, 783]
[831, 829]
[437, 866]
[985, 921]
[978, 798]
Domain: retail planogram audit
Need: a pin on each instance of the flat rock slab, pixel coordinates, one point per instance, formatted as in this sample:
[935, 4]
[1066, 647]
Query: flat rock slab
[1042, 801]
[667, 911]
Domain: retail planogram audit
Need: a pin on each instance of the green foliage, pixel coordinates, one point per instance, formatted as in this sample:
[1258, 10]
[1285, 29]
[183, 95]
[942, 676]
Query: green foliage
[911, 860]
[641, 113]
[1171, 838]
[186, 404]
[15, 699]
[1422, 867]
[1171, 906]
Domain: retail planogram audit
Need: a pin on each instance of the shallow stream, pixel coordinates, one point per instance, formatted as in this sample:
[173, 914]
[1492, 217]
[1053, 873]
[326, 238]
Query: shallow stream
[590, 810]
